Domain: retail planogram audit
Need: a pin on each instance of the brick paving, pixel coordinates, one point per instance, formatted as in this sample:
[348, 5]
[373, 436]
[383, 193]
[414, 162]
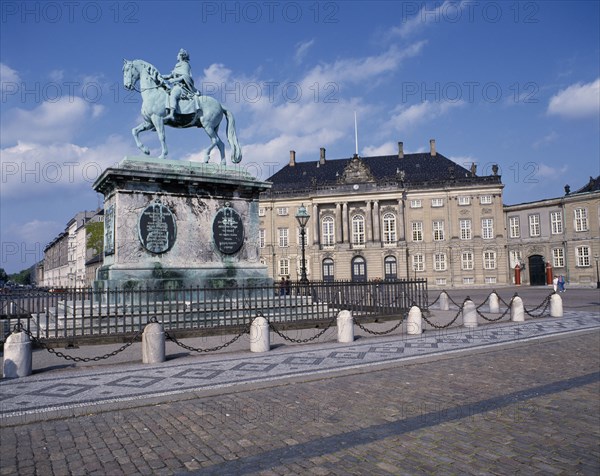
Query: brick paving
[527, 407]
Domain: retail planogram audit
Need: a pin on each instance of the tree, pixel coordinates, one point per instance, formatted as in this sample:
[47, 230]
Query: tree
[3, 276]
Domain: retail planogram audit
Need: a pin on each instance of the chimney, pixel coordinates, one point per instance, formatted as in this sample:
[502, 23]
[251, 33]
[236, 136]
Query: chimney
[432, 147]
[322, 157]
[400, 150]
[292, 158]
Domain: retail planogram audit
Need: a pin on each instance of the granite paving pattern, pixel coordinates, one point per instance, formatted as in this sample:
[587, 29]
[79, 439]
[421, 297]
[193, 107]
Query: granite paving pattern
[41, 395]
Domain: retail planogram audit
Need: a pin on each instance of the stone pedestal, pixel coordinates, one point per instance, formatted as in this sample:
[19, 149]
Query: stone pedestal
[174, 225]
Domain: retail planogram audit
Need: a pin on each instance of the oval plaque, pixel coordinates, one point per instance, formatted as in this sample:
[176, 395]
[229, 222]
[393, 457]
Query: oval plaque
[157, 229]
[228, 230]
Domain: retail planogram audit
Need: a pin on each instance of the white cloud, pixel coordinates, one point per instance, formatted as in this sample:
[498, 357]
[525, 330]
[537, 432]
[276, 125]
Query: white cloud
[389, 148]
[8, 75]
[549, 172]
[302, 49]
[448, 11]
[577, 101]
[35, 231]
[546, 140]
[411, 116]
[49, 122]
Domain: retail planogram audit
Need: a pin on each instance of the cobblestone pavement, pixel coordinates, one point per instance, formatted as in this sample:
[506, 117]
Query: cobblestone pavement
[526, 404]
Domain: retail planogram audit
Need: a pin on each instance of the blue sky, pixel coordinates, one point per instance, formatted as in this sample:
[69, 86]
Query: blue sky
[512, 83]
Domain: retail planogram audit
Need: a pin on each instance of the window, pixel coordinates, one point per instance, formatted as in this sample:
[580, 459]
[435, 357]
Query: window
[556, 225]
[440, 281]
[468, 280]
[328, 270]
[485, 200]
[261, 237]
[490, 280]
[359, 269]
[299, 236]
[466, 260]
[417, 231]
[389, 228]
[438, 230]
[465, 229]
[261, 211]
[282, 211]
[262, 261]
[515, 258]
[328, 229]
[390, 268]
[358, 230]
[487, 228]
[283, 237]
[416, 203]
[582, 254]
[489, 260]
[464, 201]
[439, 261]
[514, 228]
[534, 225]
[581, 221]
[558, 258]
[437, 202]
[284, 267]
[418, 262]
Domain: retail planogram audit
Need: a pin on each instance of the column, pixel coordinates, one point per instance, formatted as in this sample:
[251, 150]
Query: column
[376, 223]
[401, 230]
[345, 222]
[369, 219]
[338, 223]
[316, 224]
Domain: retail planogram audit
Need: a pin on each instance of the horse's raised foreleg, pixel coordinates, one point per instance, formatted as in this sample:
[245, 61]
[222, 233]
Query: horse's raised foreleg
[144, 126]
[160, 130]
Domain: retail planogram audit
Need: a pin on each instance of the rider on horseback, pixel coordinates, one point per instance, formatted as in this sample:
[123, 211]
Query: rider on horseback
[183, 82]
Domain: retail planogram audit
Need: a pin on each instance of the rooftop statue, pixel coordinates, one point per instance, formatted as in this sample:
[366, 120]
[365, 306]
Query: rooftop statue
[173, 100]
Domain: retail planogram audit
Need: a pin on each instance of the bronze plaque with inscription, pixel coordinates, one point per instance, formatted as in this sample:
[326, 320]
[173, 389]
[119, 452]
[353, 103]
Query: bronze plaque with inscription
[157, 228]
[228, 230]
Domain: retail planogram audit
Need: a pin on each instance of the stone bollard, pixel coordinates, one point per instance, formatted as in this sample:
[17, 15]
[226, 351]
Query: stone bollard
[259, 335]
[345, 327]
[494, 303]
[414, 323]
[517, 311]
[17, 356]
[469, 312]
[556, 307]
[444, 302]
[153, 344]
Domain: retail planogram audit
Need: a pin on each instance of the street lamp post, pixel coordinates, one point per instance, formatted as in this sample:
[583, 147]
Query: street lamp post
[302, 216]
[597, 258]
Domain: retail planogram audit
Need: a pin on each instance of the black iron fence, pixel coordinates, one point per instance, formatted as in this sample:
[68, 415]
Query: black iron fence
[88, 312]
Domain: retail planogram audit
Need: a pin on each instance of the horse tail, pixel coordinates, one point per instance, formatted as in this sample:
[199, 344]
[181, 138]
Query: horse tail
[236, 150]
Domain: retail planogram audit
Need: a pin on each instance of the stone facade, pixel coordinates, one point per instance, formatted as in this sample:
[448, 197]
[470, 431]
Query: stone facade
[562, 233]
[388, 217]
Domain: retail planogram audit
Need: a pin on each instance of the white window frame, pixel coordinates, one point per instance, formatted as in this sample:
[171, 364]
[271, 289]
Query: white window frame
[283, 267]
[487, 228]
[418, 261]
[556, 222]
[439, 262]
[467, 260]
[261, 211]
[358, 230]
[328, 230]
[440, 281]
[262, 233]
[490, 280]
[558, 257]
[466, 231]
[468, 280]
[416, 203]
[485, 200]
[582, 256]
[581, 219]
[283, 211]
[437, 202]
[464, 200]
[389, 228]
[438, 230]
[514, 227]
[489, 259]
[417, 230]
[283, 237]
[515, 257]
[534, 225]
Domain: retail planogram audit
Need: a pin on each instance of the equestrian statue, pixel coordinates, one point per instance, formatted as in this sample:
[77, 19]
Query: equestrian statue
[172, 100]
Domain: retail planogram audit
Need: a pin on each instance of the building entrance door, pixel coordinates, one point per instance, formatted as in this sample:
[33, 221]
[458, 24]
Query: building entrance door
[537, 270]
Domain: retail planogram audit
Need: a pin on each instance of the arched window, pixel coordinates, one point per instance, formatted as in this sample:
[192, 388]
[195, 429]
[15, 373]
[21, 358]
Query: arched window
[389, 228]
[359, 269]
[390, 267]
[358, 230]
[328, 271]
[328, 229]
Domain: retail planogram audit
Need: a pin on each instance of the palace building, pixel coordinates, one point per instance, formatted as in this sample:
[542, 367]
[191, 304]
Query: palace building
[386, 217]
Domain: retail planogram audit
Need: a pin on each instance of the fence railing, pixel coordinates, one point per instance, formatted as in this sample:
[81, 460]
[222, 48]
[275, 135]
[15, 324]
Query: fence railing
[87, 312]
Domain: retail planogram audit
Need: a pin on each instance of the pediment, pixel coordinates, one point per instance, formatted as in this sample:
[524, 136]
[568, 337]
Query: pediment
[356, 172]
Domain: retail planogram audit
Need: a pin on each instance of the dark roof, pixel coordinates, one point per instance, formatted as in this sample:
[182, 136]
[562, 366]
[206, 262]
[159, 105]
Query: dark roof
[411, 169]
[592, 186]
